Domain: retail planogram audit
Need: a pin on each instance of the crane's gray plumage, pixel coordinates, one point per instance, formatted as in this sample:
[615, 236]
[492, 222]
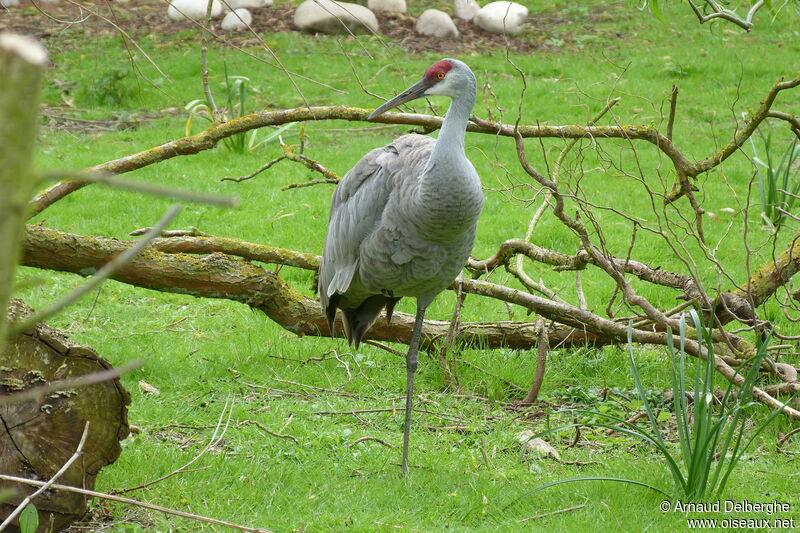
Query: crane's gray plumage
[403, 219]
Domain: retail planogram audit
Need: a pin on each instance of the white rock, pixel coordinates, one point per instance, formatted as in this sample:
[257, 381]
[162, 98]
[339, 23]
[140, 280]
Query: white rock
[466, 9]
[329, 16]
[501, 17]
[539, 447]
[390, 6]
[237, 20]
[435, 23]
[9, 3]
[192, 9]
[252, 4]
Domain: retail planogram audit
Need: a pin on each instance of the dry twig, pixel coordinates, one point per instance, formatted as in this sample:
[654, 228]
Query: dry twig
[128, 501]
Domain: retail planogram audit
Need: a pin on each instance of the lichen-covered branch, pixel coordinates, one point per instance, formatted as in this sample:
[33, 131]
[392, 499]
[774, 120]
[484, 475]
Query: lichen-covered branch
[208, 138]
[769, 277]
[763, 283]
[218, 275]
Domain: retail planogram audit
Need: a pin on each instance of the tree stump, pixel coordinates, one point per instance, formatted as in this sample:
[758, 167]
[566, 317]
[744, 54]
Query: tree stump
[38, 436]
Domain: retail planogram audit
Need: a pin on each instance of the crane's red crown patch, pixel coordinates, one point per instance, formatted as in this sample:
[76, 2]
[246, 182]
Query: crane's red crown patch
[437, 71]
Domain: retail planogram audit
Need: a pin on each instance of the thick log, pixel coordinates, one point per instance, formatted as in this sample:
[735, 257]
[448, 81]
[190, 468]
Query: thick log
[38, 436]
[217, 275]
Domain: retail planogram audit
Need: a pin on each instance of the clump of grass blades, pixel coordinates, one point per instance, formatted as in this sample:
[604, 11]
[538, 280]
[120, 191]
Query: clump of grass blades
[712, 440]
[778, 185]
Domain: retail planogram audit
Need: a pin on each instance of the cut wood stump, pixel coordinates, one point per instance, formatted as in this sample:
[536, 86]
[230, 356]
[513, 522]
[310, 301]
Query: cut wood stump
[38, 436]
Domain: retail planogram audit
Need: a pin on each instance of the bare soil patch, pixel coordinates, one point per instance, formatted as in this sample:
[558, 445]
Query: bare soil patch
[146, 17]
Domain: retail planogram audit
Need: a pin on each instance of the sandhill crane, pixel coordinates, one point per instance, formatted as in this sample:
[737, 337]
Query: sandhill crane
[403, 220]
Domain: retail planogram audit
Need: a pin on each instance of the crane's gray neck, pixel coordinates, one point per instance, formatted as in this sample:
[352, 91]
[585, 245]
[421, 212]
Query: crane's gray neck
[451, 136]
[449, 197]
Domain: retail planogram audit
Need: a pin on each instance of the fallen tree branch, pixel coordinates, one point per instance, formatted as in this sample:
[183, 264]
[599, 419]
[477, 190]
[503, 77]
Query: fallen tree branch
[102, 274]
[268, 431]
[218, 275]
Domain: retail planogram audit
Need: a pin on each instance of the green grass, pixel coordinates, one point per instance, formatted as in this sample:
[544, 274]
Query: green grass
[199, 353]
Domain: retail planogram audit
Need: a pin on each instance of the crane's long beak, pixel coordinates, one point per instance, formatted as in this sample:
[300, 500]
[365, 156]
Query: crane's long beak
[412, 93]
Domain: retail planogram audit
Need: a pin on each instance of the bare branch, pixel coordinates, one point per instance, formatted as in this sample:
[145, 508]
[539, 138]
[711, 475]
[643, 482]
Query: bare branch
[673, 103]
[208, 138]
[268, 431]
[542, 347]
[719, 12]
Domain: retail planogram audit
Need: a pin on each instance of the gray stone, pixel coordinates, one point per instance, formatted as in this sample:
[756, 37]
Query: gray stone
[252, 4]
[329, 16]
[237, 20]
[389, 6]
[466, 9]
[435, 23]
[501, 17]
[192, 9]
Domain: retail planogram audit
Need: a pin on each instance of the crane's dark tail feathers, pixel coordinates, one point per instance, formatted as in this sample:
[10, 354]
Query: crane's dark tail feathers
[357, 321]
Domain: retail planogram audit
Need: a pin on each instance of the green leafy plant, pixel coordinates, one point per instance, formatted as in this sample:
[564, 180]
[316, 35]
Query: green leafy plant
[712, 438]
[236, 92]
[29, 519]
[778, 184]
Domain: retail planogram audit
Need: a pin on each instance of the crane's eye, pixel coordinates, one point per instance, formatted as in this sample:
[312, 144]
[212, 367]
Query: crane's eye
[440, 75]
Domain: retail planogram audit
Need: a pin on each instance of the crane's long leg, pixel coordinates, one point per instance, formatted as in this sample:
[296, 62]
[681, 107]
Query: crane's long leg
[411, 367]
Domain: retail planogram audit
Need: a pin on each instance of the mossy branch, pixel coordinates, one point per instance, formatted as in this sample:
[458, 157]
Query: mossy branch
[208, 138]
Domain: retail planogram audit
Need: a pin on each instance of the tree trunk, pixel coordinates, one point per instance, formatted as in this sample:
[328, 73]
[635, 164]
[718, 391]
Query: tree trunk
[22, 63]
[38, 436]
